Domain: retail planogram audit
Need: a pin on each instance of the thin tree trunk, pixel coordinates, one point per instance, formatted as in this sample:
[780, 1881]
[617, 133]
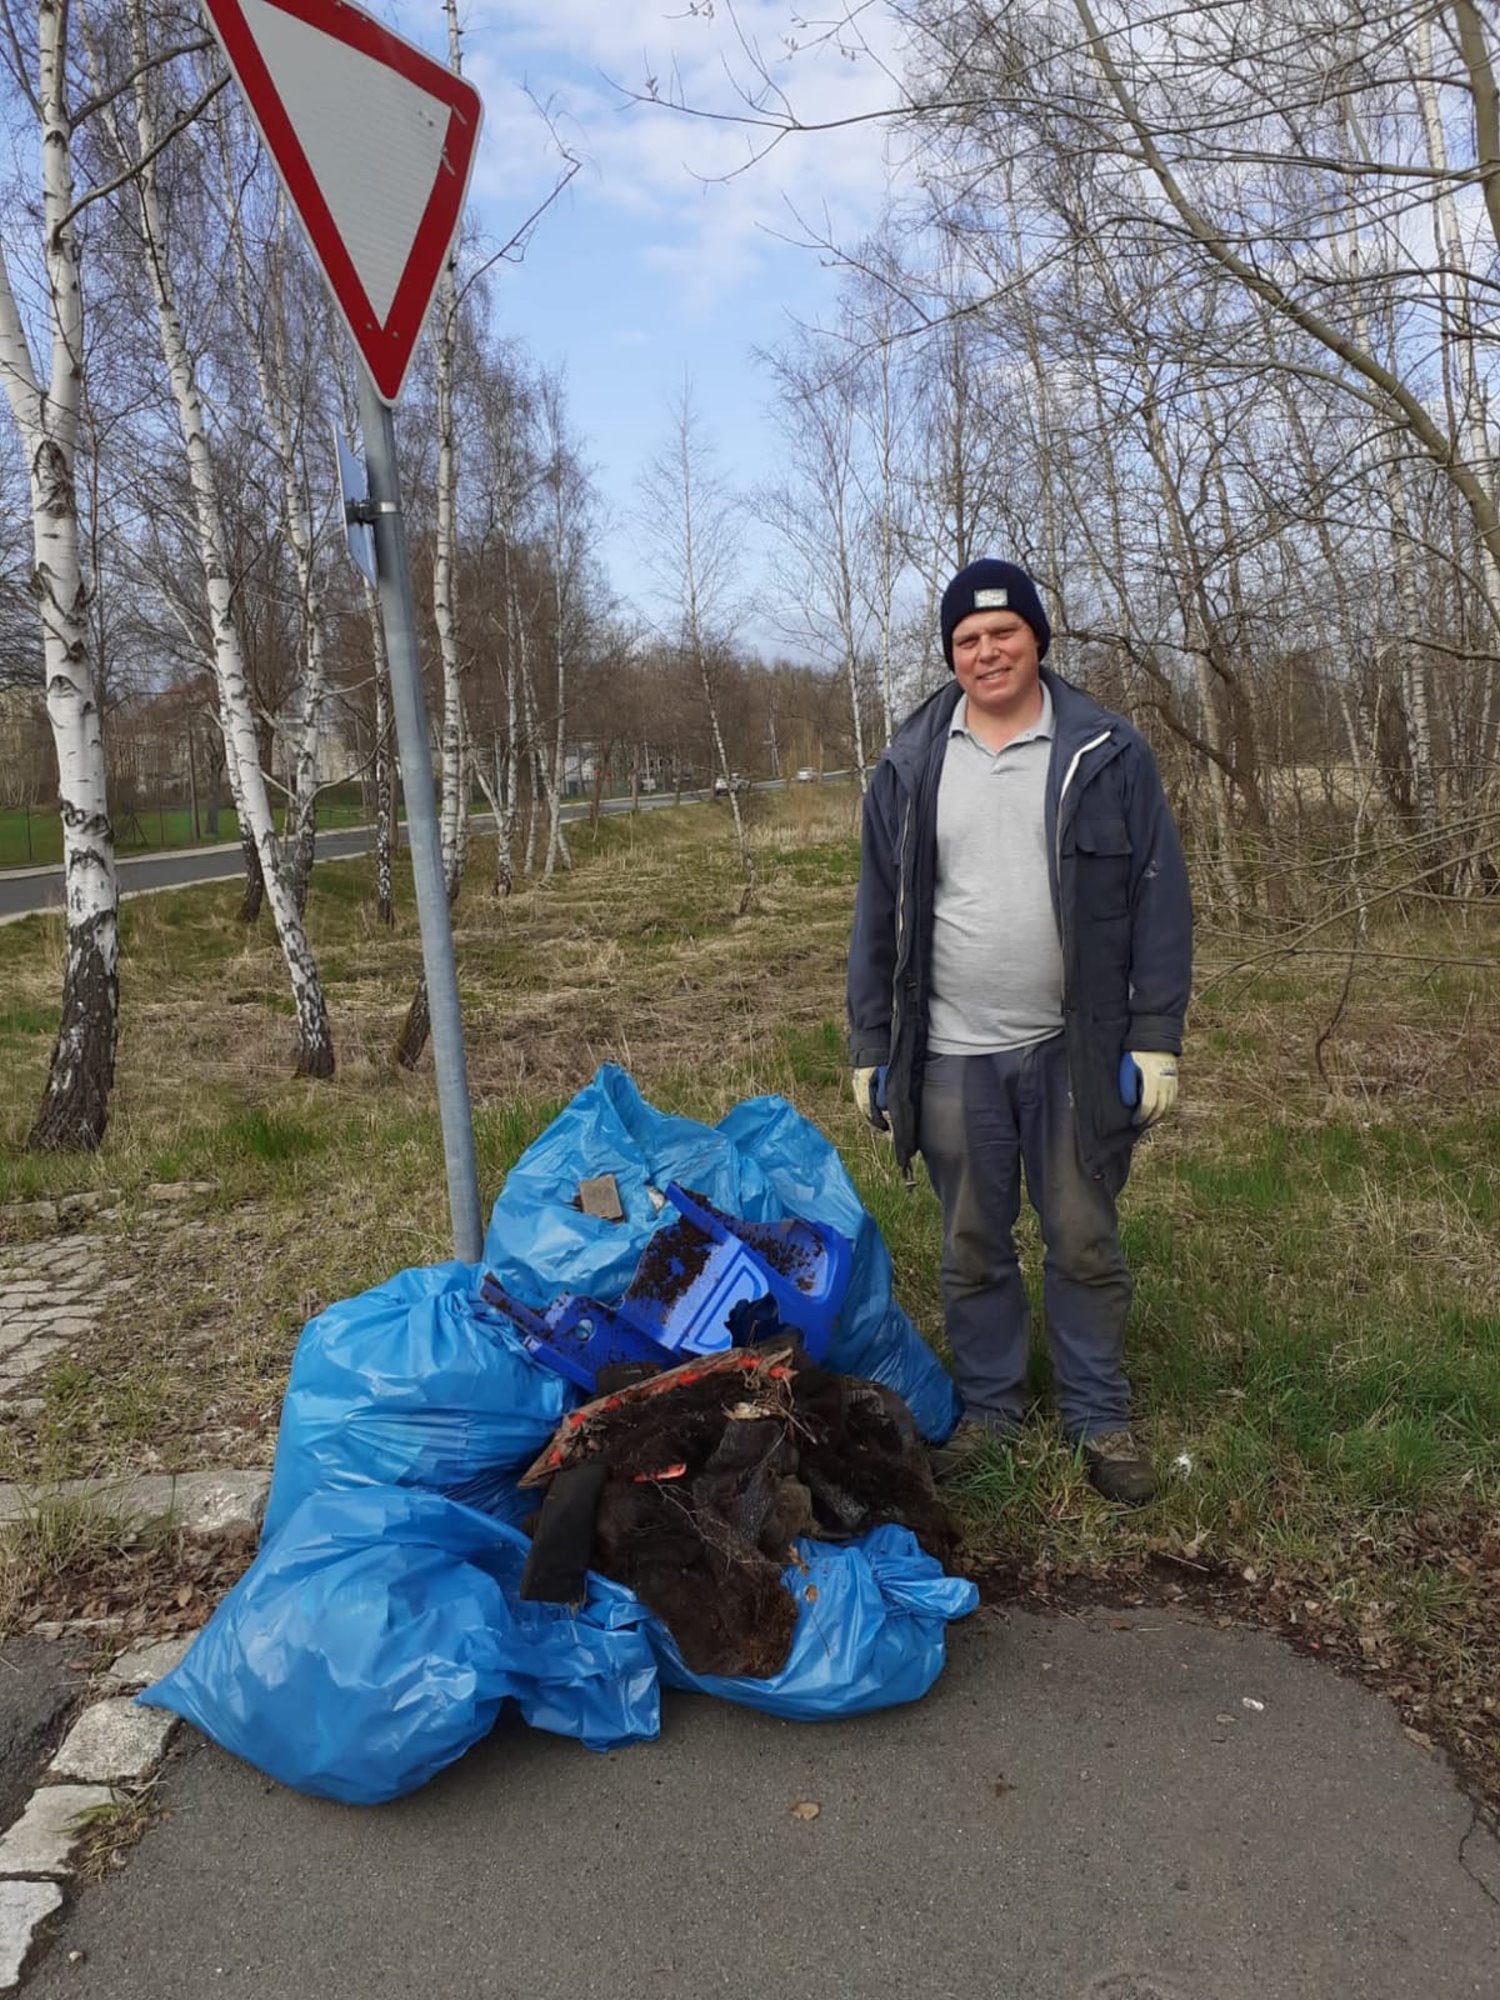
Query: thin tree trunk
[314, 1035]
[384, 813]
[80, 1075]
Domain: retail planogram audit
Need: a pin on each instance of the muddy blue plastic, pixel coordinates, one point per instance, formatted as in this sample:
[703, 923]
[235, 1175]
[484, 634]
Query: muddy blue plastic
[578, 1336]
[375, 1639]
[803, 1265]
[709, 1283]
[871, 1619]
[763, 1162]
[418, 1383]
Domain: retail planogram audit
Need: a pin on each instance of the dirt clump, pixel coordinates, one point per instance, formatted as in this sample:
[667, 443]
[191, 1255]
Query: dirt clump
[699, 1490]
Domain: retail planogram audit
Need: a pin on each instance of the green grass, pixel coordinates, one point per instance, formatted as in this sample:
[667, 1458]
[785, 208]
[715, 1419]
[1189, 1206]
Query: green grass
[34, 838]
[1315, 1341]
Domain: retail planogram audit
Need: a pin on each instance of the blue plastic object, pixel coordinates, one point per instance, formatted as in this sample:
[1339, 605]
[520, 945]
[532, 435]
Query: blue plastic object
[804, 1266]
[414, 1383]
[1130, 1079]
[376, 1637]
[763, 1162]
[870, 1631]
[874, 1337]
[687, 1284]
[691, 1276]
[579, 1336]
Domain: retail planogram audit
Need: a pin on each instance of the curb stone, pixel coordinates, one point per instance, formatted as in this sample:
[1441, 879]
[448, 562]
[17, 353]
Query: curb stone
[113, 1745]
[23, 1907]
[201, 1503]
[42, 1840]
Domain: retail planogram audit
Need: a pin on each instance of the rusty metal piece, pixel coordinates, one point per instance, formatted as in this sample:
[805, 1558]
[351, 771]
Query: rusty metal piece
[570, 1440]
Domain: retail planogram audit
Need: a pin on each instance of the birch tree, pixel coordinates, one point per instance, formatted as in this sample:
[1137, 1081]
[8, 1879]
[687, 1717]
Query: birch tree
[314, 1054]
[686, 529]
[45, 403]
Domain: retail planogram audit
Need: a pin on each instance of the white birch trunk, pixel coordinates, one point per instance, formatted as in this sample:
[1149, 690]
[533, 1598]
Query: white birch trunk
[80, 1076]
[384, 723]
[444, 596]
[273, 376]
[314, 1036]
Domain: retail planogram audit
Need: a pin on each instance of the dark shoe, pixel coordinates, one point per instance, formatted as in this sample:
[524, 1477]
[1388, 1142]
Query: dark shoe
[970, 1440]
[1119, 1469]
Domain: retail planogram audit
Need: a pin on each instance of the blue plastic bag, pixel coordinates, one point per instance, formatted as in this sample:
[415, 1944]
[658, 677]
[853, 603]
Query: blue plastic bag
[373, 1640]
[869, 1633]
[874, 1337]
[764, 1162]
[414, 1383]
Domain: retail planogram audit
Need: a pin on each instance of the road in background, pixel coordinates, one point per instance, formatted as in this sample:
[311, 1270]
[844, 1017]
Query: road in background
[26, 890]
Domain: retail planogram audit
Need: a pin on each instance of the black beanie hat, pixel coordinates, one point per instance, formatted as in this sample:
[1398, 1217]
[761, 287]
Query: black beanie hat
[989, 585]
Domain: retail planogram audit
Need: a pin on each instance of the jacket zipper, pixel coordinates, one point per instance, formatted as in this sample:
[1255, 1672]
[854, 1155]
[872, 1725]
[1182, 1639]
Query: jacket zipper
[901, 849]
[1078, 756]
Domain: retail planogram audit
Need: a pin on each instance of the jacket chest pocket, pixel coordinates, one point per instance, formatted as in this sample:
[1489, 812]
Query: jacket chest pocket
[1102, 850]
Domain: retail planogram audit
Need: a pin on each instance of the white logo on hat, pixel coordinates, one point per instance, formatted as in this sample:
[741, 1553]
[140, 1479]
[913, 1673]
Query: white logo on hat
[991, 600]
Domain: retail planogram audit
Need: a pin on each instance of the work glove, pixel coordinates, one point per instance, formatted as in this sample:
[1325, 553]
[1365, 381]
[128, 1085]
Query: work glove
[869, 1095]
[1148, 1080]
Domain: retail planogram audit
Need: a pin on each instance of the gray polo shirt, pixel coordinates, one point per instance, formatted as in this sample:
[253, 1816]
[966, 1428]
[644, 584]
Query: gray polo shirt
[997, 971]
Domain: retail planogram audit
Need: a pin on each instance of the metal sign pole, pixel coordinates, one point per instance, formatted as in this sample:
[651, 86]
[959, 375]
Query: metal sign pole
[421, 819]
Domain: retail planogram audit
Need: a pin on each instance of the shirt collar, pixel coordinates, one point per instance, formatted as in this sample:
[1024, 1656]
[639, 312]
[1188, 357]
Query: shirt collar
[1044, 726]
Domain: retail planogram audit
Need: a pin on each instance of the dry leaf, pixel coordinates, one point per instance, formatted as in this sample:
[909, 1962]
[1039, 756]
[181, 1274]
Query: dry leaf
[805, 1809]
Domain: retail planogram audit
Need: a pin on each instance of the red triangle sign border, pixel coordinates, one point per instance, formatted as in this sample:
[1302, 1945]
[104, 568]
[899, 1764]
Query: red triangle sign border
[386, 346]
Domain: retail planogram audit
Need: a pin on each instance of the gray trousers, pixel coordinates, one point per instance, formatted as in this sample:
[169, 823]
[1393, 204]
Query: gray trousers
[984, 1119]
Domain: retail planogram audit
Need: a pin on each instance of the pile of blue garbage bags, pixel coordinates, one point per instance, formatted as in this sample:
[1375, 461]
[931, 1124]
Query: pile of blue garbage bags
[381, 1627]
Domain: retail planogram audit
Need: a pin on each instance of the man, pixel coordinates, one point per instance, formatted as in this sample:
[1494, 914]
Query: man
[1022, 927]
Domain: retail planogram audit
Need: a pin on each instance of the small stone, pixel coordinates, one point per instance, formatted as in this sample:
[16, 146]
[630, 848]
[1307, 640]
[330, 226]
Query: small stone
[113, 1741]
[220, 1503]
[88, 1202]
[145, 1664]
[31, 1211]
[171, 1191]
[45, 1835]
[599, 1196]
[23, 1905]
[34, 1355]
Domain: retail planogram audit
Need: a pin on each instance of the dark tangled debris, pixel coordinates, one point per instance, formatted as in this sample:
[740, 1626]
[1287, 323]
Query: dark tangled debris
[690, 1488]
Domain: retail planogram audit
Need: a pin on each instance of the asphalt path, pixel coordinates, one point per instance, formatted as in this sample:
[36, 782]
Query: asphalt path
[1106, 1806]
[23, 891]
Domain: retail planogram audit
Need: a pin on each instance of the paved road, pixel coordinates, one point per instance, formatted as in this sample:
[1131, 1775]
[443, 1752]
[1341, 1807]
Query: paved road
[24, 890]
[1085, 1808]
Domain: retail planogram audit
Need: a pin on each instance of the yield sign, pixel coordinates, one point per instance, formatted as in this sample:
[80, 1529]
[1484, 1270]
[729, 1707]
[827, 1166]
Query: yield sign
[373, 141]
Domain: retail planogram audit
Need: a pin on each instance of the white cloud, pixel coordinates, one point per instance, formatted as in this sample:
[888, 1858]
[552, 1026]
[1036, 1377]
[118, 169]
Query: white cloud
[686, 183]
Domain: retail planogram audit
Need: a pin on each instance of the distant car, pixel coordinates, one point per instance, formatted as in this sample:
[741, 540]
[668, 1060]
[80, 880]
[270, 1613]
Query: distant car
[807, 777]
[737, 783]
[721, 788]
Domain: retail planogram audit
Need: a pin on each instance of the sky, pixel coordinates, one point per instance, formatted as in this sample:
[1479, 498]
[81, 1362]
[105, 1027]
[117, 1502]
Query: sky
[660, 260]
